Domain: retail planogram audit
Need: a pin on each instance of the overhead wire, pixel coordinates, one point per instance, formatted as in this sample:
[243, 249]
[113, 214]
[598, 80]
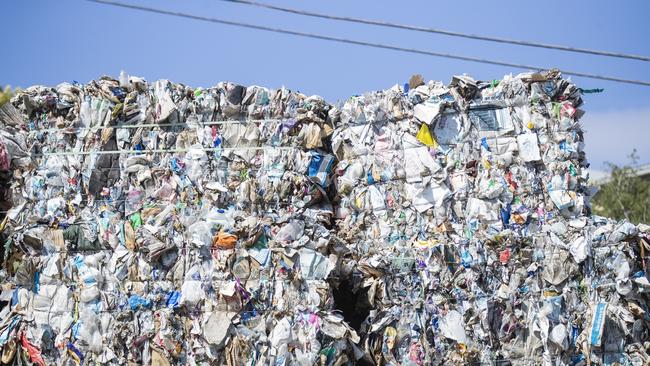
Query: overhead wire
[364, 43]
[440, 31]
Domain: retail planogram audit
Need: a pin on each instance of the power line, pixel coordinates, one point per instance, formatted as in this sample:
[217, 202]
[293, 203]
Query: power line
[363, 43]
[441, 31]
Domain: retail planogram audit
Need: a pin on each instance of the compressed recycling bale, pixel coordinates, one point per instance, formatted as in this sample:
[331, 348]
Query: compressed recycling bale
[450, 224]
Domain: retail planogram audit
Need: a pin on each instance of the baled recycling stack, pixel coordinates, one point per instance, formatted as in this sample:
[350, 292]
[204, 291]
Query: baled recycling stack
[428, 224]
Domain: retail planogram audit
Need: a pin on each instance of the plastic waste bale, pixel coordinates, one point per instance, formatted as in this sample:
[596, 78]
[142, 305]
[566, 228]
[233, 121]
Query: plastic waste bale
[465, 216]
[160, 224]
[154, 223]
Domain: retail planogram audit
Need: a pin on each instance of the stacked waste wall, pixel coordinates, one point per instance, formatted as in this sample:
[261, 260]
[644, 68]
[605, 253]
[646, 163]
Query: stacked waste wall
[428, 223]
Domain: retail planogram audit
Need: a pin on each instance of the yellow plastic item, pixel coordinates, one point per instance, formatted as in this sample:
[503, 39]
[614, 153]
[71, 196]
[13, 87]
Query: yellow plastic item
[425, 244]
[425, 136]
[486, 164]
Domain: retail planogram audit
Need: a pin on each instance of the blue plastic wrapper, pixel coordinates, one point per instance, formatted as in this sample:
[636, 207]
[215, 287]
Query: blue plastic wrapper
[505, 215]
[136, 302]
[173, 299]
[466, 259]
[320, 167]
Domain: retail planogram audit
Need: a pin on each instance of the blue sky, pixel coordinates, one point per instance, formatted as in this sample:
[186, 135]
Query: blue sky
[48, 42]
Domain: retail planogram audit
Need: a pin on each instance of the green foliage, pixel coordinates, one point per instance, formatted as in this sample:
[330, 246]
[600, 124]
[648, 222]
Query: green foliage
[625, 196]
[5, 95]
